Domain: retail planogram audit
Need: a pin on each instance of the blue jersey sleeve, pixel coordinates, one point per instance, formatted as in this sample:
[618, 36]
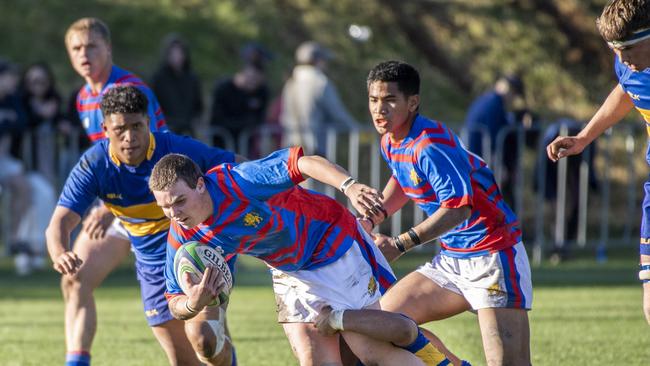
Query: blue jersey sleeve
[205, 156]
[449, 175]
[273, 174]
[82, 186]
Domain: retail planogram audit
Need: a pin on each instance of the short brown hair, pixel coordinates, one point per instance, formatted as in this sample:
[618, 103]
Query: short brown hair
[620, 18]
[172, 168]
[89, 25]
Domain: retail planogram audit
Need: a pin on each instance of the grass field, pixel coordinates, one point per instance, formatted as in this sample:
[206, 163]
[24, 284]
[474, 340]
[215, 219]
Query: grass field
[584, 314]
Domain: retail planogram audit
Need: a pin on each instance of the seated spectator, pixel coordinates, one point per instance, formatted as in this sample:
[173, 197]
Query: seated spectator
[239, 102]
[177, 87]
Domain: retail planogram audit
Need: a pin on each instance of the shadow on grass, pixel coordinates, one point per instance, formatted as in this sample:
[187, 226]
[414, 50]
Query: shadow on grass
[583, 271]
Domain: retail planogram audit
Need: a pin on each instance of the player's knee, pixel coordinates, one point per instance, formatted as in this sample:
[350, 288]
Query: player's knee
[74, 286]
[407, 333]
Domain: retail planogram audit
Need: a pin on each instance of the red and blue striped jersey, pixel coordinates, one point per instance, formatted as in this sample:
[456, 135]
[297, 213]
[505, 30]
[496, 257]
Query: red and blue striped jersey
[125, 191]
[90, 114]
[435, 170]
[259, 211]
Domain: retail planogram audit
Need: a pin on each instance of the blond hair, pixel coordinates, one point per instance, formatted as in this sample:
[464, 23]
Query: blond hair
[89, 25]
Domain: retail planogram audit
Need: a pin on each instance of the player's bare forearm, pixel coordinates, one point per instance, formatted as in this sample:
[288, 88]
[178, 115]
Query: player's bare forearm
[178, 308]
[612, 111]
[57, 234]
[322, 170]
[443, 220]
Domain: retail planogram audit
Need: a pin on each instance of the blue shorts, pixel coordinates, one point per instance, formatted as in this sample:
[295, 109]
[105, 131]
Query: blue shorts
[152, 290]
[644, 246]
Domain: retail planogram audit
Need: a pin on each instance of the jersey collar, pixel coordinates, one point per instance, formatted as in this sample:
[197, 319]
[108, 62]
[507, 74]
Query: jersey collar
[150, 150]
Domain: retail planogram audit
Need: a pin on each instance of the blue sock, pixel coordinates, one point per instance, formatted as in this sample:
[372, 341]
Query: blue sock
[77, 358]
[234, 357]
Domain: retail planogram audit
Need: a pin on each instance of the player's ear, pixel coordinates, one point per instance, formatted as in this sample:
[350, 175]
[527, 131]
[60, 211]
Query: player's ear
[414, 102]
[200, 185]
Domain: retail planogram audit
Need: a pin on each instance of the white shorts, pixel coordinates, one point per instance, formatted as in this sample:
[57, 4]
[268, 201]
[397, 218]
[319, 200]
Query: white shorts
[117, 229]
[347, 283]
[496, 280]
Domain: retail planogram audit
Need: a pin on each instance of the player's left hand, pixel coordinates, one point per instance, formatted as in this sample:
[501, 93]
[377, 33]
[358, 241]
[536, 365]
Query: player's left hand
[322, 322]
[366, 200]
[207, 290]
[387, 247]
[646, 301]
[97, 222]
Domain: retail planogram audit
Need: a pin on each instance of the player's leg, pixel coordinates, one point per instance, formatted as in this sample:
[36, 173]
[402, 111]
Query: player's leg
[207, 335]
[100, 257]
[311, 347]
[169, 332]
[506, 336]
[437, 343]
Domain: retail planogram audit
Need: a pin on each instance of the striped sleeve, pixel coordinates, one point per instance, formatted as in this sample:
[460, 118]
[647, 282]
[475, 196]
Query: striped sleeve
[449, 175]
[174, 241]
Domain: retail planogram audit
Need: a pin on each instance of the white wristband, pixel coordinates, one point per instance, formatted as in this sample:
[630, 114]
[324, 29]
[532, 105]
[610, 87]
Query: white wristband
[346, 184]
[644, 275]
[336, 319]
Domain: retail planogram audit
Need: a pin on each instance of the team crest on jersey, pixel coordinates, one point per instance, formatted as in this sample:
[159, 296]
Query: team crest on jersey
[414, 177]
[372, 286]
[252, 219]
[634, 96]
[150, 313]
[494, 290]
[114, 196]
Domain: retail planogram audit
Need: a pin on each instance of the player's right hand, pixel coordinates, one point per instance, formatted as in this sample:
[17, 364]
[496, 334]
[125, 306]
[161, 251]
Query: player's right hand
[67, 263]
[207, 290]
[386, 246]
[322, 322]
[97, 222]
[564, 146]
[366, 200]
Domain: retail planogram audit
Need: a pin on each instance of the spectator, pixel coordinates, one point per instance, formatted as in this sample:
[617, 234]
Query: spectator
[177, 87]
[42, 104]
[561, 250]
[28, 195]
[489, 114]
[239, 102]
[311, 103]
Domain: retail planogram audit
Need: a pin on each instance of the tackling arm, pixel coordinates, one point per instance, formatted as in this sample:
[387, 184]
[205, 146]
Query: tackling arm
[57, 235]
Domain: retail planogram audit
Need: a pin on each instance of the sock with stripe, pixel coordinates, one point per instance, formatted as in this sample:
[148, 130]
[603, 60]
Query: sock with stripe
[426, 351]
[77, 358]
[234, 357]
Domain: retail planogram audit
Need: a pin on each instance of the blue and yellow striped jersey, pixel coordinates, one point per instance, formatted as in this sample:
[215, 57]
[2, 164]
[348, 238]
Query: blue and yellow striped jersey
[637, 85]
[124, 189]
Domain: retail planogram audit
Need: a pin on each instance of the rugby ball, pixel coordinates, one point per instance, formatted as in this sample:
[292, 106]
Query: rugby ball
[193, 257]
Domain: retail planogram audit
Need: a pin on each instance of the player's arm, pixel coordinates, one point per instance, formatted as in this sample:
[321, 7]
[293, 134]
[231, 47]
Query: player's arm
[199, 294]
[365, 199]
[443, 220]
[615, 107]
[57, 235]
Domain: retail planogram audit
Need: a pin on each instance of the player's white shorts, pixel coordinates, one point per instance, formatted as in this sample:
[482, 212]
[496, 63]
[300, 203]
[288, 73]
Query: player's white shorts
[496, 280]
[347, 283]
[117, 229]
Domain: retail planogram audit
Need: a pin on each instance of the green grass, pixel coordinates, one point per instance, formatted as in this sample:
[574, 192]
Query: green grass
[584, 314]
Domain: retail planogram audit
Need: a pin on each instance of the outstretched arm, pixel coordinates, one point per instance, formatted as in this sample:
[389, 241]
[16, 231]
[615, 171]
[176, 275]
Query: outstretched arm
[615, 107]
[57, 235]
[365, 199]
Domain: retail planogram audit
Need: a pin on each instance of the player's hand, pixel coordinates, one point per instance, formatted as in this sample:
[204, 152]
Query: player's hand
[67, 263]
[97, 222]
[387, 247]
[322, 322]
[206, 290]
[564, 146]
[364, 199]
[646, 301]
[365, 224]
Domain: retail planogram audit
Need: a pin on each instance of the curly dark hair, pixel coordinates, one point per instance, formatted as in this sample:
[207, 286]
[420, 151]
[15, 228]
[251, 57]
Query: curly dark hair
[124, 99]
[405, 75]
[620, 18]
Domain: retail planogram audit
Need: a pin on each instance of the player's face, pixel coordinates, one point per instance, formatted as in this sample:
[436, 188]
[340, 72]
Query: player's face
[636, 57]
[186, 206]
[128, 134]
[90, 54]
[391, 111]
